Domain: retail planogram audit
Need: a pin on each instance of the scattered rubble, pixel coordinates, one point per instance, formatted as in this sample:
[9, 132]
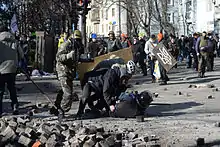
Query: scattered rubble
[217, 124]
[215, 89]
[202, 86]
[155, 95]
[210, 97]
[23, 131]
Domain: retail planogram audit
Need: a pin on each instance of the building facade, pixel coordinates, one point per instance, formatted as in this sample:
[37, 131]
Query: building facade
[106, 17]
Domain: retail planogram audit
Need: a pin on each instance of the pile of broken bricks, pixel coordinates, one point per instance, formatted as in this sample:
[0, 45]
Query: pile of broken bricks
[25, 132]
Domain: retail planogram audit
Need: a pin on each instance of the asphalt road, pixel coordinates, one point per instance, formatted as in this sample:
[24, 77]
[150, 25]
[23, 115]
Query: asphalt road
[190, 115]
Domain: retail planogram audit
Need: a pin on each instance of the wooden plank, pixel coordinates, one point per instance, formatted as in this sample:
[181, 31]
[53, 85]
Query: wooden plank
[125, 54]
[164, 56]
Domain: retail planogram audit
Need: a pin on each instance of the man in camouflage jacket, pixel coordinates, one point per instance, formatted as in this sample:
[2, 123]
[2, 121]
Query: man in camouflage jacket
[67, 57]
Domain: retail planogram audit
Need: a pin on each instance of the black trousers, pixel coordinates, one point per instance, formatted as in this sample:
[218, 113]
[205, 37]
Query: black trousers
[8, 79]
[210, 61]
[90, 95]
[163, 74]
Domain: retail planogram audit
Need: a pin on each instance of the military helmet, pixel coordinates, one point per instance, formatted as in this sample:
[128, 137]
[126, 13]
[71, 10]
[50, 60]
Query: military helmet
[111, 32]
[77, 34]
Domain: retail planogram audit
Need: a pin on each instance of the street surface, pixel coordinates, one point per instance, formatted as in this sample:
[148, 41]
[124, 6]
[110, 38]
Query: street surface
[190, 115]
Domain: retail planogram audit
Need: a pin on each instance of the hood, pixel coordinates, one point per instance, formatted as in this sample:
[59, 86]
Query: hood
[7, 37]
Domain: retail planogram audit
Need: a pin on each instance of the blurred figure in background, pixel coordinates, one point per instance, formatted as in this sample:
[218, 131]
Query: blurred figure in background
[139, 55]
[94, 47]
[124, 41]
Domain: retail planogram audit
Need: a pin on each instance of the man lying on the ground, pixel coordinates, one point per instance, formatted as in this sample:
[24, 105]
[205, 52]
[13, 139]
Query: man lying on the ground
[104, 88]
[131, 104]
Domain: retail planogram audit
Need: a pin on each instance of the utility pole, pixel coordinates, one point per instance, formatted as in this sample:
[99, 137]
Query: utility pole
[82, 24]
[119, 18]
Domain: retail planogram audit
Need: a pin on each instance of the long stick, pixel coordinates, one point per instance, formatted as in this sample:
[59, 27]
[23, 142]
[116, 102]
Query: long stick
[42, 92]
[160, 104]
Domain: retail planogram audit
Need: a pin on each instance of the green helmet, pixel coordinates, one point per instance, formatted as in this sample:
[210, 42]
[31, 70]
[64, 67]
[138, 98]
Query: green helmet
[77, 34]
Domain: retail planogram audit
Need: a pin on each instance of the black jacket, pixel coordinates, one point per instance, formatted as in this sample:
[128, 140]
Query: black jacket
[138, 52]
[107, 84]
[94, 48]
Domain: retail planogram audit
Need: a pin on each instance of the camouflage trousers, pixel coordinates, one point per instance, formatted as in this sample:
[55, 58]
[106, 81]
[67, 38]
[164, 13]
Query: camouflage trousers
[202, 62]
[65, 97]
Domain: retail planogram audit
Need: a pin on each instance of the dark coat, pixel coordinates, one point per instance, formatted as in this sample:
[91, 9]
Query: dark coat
[107, 84]
[138, 51]
[94, 48]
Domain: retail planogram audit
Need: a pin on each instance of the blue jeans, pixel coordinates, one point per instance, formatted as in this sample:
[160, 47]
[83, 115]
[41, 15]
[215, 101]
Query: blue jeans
[152, 64]
[188, 60]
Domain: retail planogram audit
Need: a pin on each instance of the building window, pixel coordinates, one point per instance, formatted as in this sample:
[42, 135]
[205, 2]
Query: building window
[170, 2]
[170, 17]
[106, 14]
[103, 28]
[189, 10]
[102, 13]
[106, 26]
[209, 5]
[113, 12]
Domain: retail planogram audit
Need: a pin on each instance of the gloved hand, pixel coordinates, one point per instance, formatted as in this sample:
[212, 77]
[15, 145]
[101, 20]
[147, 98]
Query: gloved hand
[71, 55]
[112, 108]
[198, 54]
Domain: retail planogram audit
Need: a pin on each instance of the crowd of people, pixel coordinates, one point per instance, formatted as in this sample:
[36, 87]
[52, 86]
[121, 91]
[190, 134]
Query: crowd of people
[198, 50]
[107, 82]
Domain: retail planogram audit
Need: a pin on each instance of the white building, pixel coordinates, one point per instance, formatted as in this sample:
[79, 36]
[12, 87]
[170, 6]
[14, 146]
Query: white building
[205, 15]
[105, 17]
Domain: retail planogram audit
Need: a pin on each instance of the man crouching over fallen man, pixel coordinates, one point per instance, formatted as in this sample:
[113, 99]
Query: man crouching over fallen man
[108, 91]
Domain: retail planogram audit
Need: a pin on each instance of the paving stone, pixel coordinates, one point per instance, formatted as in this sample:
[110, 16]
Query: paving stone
[82, 138]
[21, 121]
[2, 125]
[83, 131]
[43, 138]
[45, 129]
[74, 142]
[118, 136]
[89, 143]
[100, 129]
[20, 129]
[13, 124]
[104, 143]
[8, 134]
[132, 135]
[67, 135]
[92, 130]
[32, 133]
[25, 141]
[118, 143]
[110, 140]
